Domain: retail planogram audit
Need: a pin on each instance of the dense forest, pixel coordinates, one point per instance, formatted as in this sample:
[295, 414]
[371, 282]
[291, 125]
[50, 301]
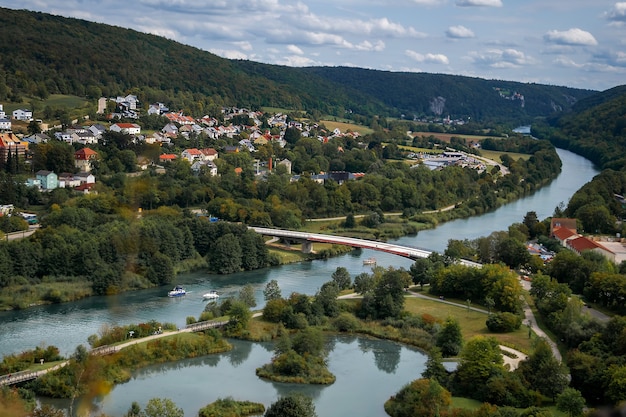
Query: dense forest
[71, 56]
[595, 129]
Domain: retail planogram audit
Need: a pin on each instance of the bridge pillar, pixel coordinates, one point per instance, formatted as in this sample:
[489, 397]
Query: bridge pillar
[307, 246]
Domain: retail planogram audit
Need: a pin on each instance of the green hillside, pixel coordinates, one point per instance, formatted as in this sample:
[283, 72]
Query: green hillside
[44, 54]
[595, 129]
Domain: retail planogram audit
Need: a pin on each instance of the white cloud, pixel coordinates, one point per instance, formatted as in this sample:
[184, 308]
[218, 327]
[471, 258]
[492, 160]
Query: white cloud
[617, 13]
[459, 32]
[244, 45]
[294, 50]
[572, 36]
[479, 3]
[429, 2]
[229, 53]
[297, 61]
[429, 58]
[501, 58]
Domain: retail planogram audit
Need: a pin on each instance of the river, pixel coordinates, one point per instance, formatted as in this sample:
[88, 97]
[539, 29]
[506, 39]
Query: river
[68, 325]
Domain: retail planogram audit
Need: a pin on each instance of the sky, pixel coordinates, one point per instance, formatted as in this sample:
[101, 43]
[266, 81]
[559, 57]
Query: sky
[574, 43]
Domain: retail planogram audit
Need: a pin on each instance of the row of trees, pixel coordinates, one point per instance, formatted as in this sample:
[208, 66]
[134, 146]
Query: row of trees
[96, 240]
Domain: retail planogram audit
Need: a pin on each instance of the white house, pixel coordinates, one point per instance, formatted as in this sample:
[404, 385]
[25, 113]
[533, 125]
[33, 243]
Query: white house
[23, 114]
[5, 124]
[208, 166]
[127, 128]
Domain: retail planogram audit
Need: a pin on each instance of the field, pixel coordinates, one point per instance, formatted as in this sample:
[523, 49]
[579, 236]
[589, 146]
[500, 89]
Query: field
[344, 127]
[495, 155]
[472, 322]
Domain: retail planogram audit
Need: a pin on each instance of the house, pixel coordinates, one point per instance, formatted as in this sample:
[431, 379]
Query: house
[562, 222]
[192, 154]
[167, 157]
[23, 114]
[207, 166]
[67, 136]
[5, 124]
[86, 138]
[209, 154]
[11, 144]
[130, 102]
[582, 243]
[48, 179]
[85, 188]
[126, 128]
[231, 149]
[37, 138]
[179, 118]
[170, 129]
[67, 180]
[84, 158]
[98, 130]
[85, 178]
[157, 109]
[563, 235]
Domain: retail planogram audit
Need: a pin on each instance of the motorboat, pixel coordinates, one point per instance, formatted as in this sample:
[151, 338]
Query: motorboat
[369, 261]
[178, 291]
[211, 295]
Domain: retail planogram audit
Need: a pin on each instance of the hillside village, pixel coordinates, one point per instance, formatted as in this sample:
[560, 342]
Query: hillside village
[122, 118]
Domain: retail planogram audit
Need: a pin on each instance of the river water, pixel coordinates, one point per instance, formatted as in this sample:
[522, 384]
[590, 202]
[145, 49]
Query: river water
[68, 325]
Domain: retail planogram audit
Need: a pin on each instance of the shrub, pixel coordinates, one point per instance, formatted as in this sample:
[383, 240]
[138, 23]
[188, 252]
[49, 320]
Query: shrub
[345, 322]
[503, 322]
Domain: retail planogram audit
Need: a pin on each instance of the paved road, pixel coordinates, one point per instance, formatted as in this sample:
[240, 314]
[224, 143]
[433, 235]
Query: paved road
[21, 235]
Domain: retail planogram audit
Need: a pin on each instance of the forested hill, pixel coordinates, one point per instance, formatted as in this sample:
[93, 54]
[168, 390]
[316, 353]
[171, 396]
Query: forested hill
[44, 54]
[480, 99]
[595, 129]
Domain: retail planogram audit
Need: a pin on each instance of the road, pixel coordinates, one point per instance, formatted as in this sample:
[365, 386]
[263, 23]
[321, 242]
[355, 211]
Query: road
[24, 233]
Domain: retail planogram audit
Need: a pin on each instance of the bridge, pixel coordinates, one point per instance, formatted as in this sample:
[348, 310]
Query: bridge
[307, 238]
[23, 376]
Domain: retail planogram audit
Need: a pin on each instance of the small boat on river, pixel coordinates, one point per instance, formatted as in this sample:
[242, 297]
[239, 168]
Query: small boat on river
[178, 291]
[369, 261]
[211, 295]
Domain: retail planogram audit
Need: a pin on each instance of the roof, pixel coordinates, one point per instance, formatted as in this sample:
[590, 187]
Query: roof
[562, 222]
[193, 151]
[582, 243]
[84, 153]
[127, 125]
[563, 233]
[167, 157]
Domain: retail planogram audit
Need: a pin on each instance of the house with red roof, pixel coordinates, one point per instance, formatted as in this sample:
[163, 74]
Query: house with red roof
[126, 128]
[581, 244]
[563, 235]
[167, 157]
[192, 154]
[83, 159]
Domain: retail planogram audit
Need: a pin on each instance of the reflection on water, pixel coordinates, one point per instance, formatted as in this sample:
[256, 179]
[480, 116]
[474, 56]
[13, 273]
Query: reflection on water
[368, 372]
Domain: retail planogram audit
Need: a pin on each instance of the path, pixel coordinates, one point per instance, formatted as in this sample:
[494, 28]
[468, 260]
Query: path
[512, 362]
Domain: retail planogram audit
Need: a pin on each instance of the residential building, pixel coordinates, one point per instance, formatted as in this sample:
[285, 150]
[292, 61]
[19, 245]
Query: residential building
[126, 128]
[209, 166]
[11, 144]
[48, 179]
[5, 124]
[84, 158]
[23, 114]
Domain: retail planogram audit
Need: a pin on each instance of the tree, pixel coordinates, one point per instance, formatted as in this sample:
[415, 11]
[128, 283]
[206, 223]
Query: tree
[481, 359]
[158, 407]
[363, 283]
[341, 277]
[47, 410]
[293, 405]
[422, 397]
[434, 367]
[422, 271]
[226, 257]
[239, 316]
[450, 338]
[570, 401]
[272, 291]
[246, 295]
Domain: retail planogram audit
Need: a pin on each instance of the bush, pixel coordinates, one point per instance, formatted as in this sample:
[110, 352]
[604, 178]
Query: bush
[346, 322]
[503, 322]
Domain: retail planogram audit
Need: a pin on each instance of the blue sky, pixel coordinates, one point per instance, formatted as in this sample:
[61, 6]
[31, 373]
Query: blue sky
[575, 43]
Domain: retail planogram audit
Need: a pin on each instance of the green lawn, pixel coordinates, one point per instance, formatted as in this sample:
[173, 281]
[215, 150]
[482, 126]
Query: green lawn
[472, 322]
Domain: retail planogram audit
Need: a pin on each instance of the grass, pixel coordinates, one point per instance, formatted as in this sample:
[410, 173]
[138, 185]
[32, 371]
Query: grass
[472, 322]
[344, 127]
[495, 155]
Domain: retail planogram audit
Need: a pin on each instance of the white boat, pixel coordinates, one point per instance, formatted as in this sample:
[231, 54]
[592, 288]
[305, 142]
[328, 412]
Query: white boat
[369, 261]
[211, 295]
[178, 291]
